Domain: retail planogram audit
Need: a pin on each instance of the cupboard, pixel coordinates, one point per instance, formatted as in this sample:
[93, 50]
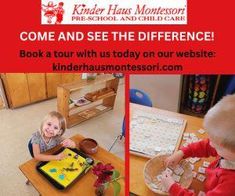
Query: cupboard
[25, 88]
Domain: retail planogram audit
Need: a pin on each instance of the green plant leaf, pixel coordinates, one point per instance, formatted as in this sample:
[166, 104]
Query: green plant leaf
[115, 174]
[106, 185]
[87, 169]
[117, 188]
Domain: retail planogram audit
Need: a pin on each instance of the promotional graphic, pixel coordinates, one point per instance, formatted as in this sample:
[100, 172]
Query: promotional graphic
[117, 98]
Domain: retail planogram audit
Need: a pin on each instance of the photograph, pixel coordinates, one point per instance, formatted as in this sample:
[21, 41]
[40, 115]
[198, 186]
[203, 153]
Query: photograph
[117, 98]
[52, 146]
[182, 134]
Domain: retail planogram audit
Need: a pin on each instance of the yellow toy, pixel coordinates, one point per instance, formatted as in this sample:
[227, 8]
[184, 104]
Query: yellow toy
[65, 171]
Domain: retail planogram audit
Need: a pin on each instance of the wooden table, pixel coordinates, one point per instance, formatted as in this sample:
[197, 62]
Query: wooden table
[137, 184]
[83, 186]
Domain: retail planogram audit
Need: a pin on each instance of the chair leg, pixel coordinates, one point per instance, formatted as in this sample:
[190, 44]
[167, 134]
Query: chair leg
[114, 143]
[27, 182]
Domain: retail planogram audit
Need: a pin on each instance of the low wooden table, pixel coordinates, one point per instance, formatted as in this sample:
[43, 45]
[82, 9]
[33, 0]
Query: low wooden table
[137, 184]
[83, 186]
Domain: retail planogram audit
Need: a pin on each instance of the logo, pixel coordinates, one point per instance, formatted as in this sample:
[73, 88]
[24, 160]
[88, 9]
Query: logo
[53, 12]
[114, 12]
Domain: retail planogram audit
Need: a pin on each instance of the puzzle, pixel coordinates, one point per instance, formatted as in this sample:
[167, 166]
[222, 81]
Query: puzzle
[176, 177]
[201, 131]
[189, 138]
[65, 171]
[192, 166]
[176, 174]
[151, 134]
[179, 170]
[193, 159]
[206, 164]
[201, 177]
[169, 171]
[202, 170]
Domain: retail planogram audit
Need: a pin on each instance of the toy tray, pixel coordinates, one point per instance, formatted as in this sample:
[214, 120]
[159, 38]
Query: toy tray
[61, 174]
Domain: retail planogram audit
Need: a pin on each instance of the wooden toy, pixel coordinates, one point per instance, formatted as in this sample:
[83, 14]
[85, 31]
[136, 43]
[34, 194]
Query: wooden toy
[100, 94]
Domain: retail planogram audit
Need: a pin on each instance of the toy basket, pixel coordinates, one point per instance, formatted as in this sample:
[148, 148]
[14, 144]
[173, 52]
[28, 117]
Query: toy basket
[155, 167]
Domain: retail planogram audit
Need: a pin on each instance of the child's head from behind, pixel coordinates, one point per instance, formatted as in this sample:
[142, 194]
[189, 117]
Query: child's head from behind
[53, 124]
[219, 123]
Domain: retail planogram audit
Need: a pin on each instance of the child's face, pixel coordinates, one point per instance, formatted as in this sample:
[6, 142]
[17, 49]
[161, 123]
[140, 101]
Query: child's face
[51, 127]
[223, 152]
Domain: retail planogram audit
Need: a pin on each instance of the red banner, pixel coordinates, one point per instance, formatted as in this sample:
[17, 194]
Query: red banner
[203, 45]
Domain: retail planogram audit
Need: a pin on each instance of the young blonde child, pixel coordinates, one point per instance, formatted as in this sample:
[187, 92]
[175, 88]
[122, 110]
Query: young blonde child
[50, 134]
[219, 123]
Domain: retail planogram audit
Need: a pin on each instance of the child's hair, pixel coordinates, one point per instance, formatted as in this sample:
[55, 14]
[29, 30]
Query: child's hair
[219, 122]
[61, 119]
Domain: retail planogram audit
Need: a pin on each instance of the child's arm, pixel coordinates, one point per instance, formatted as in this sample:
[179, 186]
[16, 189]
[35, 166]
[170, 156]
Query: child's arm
[224, 188]
[177, 190]
[174, 159]
[42, 157]
[68, 143]
[199, 149]
[172, 187]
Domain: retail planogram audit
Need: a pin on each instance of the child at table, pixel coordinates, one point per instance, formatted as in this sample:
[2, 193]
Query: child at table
[219, 123]
[50, 134]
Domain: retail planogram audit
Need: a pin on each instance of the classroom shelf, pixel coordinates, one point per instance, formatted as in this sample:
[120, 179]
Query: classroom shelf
[104, 103]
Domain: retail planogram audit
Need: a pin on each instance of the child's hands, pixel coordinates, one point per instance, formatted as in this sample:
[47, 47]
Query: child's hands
[167, 181]
[68, 143]
[174, 159]
[60, 156]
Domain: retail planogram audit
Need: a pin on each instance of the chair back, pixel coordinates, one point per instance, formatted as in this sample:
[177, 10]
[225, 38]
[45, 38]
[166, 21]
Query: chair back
[123, 127]
[30, 147]
[140, 97]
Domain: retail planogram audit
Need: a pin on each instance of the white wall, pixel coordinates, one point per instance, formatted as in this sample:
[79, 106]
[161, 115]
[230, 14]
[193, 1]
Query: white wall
[164, 90]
